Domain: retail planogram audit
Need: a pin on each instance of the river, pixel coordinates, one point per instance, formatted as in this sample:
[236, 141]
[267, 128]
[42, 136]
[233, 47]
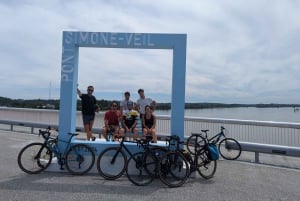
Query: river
[281, 114]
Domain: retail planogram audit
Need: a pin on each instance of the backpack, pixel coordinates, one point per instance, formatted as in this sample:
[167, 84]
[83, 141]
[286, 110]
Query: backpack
[213, 153]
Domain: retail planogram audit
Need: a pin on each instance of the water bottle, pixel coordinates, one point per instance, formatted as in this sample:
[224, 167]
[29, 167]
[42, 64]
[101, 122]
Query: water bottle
[109, 137]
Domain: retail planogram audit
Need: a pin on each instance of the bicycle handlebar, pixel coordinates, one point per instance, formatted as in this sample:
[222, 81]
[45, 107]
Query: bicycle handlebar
[173, 138]
[46, 133]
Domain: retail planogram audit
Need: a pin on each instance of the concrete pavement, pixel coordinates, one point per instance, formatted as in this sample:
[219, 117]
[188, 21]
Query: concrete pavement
[233, 181]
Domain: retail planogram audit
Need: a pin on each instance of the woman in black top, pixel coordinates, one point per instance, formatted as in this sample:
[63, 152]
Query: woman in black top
[149, 123]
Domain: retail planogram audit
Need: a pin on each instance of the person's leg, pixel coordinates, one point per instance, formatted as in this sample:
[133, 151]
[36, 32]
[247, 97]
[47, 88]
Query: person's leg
[153, 133]
[116, 136]
[104, 132]
[121, 132]
[135, 134]
[115, 132]
[145, 131]
[88, 121]
[90, 129]
[86, 125]
[87, 131]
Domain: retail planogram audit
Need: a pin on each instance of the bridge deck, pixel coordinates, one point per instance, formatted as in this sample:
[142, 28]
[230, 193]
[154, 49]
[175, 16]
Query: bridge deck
[234, 180]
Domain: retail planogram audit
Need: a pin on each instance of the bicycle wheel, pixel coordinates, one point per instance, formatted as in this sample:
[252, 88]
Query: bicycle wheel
[136, 171]
[34, 158]
[230, 149]
[152, 157]
[80, 159]
[206, 168]
[111, 163]
[194, 143]
[173, 169]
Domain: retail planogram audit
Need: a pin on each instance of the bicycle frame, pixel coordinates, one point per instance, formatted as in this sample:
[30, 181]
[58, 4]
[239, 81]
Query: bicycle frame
[54, 148]
[217, 136]
[122, 145]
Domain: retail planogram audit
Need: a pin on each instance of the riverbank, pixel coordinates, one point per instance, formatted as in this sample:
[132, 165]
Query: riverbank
[105, 104]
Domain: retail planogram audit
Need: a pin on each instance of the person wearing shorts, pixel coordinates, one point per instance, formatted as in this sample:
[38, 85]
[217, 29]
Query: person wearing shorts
[130, 120]
[88, 108]
[149, 124]
[112, 122]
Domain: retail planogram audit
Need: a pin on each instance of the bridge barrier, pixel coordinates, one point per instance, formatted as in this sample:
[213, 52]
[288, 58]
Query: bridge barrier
[257, 148]
[256, 136]
[269, 149]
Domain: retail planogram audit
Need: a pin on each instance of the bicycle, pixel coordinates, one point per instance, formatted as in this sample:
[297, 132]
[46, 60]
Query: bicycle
[36, 157]
[173, 167]
[112, 162]
[176, 166]
[229, 148]
[147, 161]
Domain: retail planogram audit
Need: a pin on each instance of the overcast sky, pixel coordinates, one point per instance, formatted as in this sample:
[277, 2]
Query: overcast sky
[237, 51]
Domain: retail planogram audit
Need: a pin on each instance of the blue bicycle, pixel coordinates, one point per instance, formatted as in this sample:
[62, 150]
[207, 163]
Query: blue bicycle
[36, 157]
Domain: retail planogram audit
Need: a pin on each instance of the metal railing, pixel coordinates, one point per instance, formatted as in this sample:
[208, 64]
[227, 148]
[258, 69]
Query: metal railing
[278, 133]
[255, 136]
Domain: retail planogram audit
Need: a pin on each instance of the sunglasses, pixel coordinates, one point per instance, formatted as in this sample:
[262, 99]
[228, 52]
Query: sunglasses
[90, 90]
[114, 105]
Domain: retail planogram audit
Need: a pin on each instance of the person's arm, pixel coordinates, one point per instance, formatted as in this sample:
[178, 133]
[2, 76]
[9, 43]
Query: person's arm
[154, 122]
[97, 107]
[154, 104]
[137, 106]
[135, 122]
[79, 92]
[123, 123]
[143, 122]
[105, 120]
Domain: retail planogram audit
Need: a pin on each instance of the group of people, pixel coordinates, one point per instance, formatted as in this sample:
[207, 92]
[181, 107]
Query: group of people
[122, 121]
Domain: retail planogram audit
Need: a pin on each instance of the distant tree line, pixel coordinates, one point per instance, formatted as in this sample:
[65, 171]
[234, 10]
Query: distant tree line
[105, 104]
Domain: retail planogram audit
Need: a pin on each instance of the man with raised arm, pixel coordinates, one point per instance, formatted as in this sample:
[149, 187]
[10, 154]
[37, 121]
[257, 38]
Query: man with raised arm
[89, 107]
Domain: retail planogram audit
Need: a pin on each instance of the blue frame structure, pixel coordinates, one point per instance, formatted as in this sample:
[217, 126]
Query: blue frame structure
[69, 70]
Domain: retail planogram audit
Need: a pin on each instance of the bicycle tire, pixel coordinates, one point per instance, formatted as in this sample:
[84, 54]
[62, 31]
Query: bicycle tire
[173, 169]
[194, 143]
[152, 157]
[228, 153]
[79, 159]
[136, 171]
[34, 158]
[206, 167]
[109, 169]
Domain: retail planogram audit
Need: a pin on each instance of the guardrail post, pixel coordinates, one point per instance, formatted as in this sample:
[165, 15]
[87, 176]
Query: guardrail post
[11, 127]
[256, 157]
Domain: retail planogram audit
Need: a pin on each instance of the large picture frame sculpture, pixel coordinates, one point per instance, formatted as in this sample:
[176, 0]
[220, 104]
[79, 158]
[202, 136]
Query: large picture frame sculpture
[71, 43]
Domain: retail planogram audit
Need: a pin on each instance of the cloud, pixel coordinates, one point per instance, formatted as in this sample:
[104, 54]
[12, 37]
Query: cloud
[237, 51]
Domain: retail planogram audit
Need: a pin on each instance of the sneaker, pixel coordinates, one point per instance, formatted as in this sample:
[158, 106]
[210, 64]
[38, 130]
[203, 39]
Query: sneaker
[94, 138]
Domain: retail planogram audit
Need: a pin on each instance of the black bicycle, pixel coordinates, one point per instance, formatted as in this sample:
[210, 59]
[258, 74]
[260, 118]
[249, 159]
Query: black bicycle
[36, 157]
[229, 148]
[173, 167]
[140, 167]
